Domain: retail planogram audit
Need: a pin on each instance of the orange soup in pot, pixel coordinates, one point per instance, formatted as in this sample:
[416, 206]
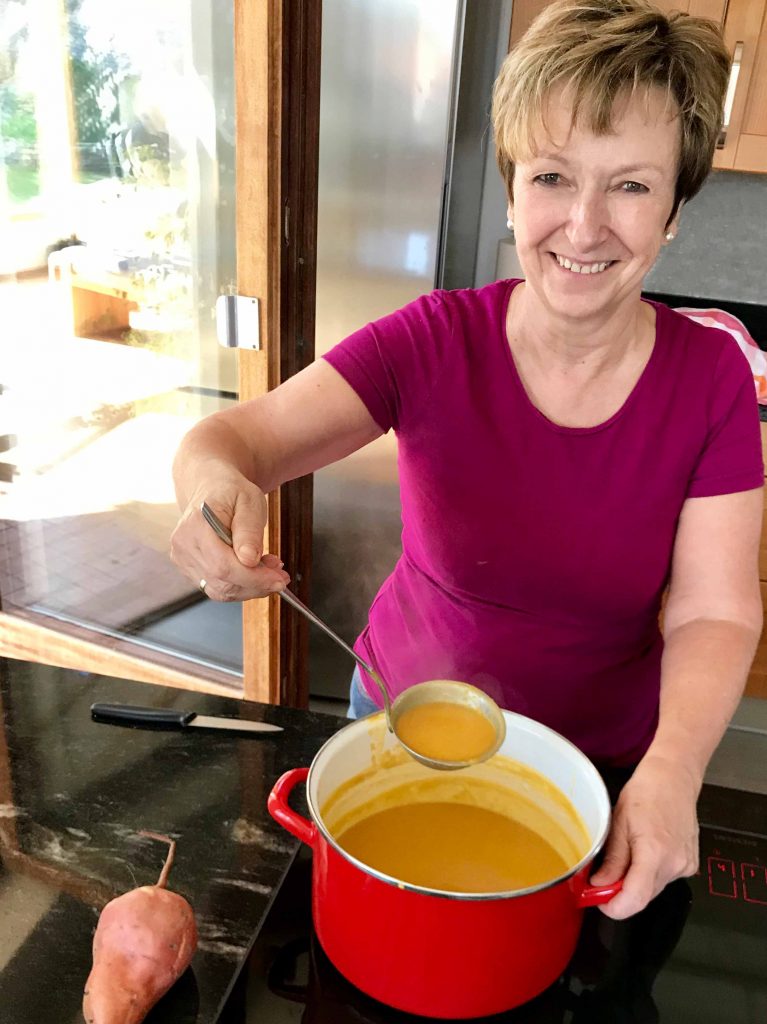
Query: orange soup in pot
[499, 827]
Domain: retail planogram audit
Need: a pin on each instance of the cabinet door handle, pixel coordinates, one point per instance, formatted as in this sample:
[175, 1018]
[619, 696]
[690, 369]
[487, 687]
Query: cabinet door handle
[729, 100]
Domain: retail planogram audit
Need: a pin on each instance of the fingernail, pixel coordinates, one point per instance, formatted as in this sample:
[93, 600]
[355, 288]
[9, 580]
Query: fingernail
[249, 552]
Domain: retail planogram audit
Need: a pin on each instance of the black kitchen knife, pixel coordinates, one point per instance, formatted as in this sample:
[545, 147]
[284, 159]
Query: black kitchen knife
[172, 718]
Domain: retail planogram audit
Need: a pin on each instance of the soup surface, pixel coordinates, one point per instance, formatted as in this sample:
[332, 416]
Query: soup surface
[446, 731]
[453, 846]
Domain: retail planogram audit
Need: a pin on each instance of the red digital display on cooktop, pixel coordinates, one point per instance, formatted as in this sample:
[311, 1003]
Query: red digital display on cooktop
[737, 880]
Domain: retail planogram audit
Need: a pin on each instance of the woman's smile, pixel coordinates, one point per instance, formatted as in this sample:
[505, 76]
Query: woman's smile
[584, 268]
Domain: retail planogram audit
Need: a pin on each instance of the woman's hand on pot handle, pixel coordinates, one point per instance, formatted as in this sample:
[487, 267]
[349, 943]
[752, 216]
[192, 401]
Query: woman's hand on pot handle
[234, 573]
[654, 835]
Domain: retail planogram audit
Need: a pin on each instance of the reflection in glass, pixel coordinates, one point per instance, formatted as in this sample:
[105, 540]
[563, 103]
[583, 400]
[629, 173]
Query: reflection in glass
[117, 217]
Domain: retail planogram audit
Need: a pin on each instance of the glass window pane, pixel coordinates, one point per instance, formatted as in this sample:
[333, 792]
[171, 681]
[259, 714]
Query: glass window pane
[117, 218]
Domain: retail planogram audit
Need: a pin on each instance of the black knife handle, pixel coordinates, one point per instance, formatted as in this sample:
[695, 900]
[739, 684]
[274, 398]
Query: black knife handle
[131, 714]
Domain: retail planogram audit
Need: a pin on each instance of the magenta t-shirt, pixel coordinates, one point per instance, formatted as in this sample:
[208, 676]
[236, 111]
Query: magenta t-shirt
[534, 556]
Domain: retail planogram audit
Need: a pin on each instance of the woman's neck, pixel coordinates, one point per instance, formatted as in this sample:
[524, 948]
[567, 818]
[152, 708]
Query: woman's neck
[578, 374]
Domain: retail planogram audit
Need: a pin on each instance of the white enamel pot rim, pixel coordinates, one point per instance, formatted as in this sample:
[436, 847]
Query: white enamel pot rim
[573, 773]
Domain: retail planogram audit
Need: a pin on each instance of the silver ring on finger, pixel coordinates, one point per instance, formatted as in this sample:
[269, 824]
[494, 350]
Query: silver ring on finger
[202, 585]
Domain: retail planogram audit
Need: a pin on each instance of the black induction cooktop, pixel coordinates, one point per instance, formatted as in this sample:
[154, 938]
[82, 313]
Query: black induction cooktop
[696, 955]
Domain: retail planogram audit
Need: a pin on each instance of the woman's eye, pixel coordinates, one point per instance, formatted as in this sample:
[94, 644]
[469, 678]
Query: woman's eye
[551, 178]
[634, 187]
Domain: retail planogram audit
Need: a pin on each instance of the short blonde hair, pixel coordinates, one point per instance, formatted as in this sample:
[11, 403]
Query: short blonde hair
[601, 50]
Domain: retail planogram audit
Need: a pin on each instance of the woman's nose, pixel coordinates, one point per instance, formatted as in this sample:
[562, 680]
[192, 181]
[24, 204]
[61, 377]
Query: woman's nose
[587, 226]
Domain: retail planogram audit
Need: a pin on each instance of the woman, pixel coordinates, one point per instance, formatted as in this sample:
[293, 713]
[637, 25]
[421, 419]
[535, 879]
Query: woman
[567, 451]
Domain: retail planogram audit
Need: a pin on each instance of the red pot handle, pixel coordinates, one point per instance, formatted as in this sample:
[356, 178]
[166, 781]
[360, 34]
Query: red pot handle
[284, 814]
[596, 895]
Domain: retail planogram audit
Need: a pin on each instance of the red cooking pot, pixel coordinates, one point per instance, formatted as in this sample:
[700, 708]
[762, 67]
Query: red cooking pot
[434, 953]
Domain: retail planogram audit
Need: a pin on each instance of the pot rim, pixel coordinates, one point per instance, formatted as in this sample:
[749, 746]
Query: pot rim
[423, 890]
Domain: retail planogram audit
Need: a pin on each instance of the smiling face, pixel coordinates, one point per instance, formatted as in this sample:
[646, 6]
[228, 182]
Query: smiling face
[591, 211]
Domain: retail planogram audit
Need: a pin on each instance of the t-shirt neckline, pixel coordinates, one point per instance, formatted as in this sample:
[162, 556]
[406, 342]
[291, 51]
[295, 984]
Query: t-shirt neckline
[558, 427]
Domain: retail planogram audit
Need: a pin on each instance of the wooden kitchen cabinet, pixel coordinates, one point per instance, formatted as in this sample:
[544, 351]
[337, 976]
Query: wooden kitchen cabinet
[757, 679]
[524, 11]
[713, 9]
[743, 145]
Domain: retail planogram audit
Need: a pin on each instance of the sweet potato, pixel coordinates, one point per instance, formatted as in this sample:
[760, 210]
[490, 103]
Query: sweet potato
[144, 940]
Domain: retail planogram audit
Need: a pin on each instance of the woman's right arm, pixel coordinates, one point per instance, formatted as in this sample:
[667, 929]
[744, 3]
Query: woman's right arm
[233, 458]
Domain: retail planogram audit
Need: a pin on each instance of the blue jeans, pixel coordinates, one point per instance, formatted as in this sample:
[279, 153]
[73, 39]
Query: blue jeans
[360, 705]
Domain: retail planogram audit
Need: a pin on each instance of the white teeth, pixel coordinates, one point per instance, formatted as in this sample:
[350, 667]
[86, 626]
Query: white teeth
[582, 268]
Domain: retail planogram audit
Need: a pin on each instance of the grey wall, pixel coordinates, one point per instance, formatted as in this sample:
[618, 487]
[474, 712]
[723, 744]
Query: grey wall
[721, 249]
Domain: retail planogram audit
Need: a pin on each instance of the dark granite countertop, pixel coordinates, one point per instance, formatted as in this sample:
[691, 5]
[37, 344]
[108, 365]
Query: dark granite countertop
[75, 794]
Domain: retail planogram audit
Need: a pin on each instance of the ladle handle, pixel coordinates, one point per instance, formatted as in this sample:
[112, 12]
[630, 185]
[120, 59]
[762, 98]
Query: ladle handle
[225, 535]
[290, 597]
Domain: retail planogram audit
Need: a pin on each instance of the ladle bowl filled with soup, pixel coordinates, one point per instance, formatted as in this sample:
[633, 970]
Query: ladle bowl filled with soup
[449, 894]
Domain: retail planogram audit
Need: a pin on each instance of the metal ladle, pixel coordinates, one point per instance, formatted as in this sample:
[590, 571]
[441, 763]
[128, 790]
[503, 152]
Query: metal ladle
[435, 691]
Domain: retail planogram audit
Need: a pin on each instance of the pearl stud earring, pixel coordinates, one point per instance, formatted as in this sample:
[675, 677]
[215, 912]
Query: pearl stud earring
[669, 236]
[510, 224]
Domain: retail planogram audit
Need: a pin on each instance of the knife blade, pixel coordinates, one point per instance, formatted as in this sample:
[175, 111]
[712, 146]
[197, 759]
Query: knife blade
[173, 718]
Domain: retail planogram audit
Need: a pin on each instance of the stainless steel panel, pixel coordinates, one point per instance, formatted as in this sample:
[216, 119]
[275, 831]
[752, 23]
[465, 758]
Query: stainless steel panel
[484, 36]
[386, 90]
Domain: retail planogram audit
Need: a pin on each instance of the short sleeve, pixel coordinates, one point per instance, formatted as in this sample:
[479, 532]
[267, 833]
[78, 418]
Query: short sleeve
[731, 459]
[394, 363]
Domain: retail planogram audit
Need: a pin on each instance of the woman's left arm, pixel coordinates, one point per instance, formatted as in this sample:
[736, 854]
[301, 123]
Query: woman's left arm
[712, 624]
